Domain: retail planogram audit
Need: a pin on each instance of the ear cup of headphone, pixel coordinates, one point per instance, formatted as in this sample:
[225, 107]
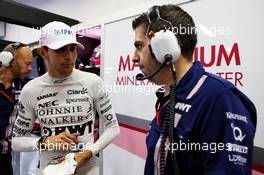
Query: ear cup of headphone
[6, 58]
[164, 44]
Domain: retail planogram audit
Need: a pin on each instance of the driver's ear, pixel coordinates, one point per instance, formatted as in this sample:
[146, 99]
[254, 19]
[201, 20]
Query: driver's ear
[42, 52]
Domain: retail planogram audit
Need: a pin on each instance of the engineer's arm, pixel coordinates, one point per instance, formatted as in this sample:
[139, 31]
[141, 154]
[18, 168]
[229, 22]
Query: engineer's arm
[228, 126]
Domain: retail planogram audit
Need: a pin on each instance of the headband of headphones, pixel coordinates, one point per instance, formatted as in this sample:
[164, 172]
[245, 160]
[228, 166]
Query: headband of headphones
[18, 45]
[6, 57]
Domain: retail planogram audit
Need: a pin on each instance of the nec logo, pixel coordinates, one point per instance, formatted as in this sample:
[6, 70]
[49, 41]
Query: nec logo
[48, 104]
[183, 107]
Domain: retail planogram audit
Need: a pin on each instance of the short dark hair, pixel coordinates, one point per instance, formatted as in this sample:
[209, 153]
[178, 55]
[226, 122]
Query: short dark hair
[179, 20]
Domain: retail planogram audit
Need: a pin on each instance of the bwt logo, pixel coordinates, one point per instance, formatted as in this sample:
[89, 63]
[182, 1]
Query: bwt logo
[63, 31]
[183, 107]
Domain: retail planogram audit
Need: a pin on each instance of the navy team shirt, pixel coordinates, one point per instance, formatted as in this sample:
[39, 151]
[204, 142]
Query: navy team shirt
[210, 113]
[8, 112]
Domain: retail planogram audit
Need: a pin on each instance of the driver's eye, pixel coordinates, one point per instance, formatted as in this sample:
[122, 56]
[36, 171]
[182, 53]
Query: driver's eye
[62, 49]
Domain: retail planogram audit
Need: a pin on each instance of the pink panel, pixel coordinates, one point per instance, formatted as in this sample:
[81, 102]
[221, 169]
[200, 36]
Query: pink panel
[256, 173]
[132, 141]
[93, 32]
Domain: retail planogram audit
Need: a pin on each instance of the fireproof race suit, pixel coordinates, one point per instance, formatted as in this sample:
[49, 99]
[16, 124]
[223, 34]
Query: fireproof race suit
[68, 104]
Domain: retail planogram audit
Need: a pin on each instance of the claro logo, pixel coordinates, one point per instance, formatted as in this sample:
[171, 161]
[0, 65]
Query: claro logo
[74, 92]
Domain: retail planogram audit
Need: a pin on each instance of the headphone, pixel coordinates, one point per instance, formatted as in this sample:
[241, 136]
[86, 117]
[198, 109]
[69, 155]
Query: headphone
[164, 46]
[6, 57]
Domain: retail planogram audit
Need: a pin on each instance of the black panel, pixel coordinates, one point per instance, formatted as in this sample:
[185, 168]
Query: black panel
[3, 44]
[20, 14]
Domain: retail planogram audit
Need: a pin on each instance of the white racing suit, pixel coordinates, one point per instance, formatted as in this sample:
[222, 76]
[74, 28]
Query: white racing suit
[68, 104]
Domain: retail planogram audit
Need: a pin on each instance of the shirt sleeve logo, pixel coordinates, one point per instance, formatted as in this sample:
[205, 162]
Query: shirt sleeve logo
[238, 135]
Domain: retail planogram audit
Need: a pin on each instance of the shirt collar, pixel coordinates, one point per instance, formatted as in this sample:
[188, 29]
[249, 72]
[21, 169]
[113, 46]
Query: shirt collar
[53, 80]
[186, 84]
[189, 80]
